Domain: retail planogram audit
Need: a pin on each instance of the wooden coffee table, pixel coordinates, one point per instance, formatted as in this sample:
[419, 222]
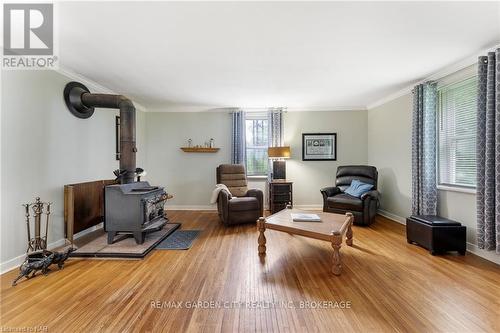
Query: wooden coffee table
[332, 228]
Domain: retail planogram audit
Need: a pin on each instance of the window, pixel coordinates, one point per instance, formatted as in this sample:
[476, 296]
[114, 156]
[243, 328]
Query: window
[457, 109]
[256, 144]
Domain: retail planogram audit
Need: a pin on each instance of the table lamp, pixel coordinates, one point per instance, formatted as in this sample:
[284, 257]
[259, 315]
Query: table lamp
[278, 154]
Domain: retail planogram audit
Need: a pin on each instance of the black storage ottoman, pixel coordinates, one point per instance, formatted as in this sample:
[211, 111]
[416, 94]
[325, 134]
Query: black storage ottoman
[436, 234]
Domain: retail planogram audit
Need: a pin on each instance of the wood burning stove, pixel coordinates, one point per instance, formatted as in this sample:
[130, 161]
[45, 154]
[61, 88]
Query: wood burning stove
[130, 207]
[135, 208]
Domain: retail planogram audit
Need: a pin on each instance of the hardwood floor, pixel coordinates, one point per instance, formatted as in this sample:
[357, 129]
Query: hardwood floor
[389, 284]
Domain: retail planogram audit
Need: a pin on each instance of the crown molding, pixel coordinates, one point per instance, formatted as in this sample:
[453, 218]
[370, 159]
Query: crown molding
[189, 108]
[96, 87]
[441, 73]
[391, 97]
[327, 109]
[195, 108]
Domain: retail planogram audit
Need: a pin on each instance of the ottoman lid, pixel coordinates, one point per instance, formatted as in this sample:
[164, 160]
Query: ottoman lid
[434, 220]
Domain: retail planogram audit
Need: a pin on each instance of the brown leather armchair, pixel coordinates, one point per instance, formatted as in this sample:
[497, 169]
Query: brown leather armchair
[365, 208]
[242, 205]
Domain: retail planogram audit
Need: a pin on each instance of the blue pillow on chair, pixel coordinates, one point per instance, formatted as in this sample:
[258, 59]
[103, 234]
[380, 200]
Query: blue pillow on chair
[357, 188]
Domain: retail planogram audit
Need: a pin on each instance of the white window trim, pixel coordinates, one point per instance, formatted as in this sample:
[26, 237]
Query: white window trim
[462, 75]
[258, 177]
[451, 188]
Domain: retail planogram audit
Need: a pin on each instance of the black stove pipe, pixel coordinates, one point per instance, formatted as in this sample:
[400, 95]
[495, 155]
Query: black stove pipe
[81, 103]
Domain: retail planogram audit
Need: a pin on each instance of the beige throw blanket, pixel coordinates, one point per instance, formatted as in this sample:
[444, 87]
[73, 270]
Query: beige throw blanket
[215, 193]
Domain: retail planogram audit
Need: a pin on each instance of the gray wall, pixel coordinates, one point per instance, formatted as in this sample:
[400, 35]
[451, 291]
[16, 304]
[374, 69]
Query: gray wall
[44, 147]
[310, 176]
[191, 176]
[389, 148]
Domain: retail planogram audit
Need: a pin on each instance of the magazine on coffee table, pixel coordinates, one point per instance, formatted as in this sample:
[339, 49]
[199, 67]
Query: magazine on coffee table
[305, 217]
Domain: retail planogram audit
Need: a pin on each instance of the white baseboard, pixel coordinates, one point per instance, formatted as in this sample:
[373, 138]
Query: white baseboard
[392, 216]
[214, 207]
[88, 231]
[17, 261]
[190, 207]
[195, 207]
[472, 248]
[488, 255]
[309, 207]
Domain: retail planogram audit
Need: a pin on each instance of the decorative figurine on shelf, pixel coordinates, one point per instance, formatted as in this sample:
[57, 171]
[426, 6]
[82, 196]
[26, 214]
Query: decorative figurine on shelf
[190, 143]
[211, 142]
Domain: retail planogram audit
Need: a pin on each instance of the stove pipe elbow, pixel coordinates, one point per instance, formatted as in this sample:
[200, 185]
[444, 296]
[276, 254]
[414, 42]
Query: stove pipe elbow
[82, 103]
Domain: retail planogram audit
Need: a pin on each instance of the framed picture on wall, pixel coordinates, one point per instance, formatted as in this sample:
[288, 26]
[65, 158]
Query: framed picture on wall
[319, 146]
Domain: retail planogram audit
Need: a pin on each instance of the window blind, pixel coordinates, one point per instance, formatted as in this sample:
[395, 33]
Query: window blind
[457, 109]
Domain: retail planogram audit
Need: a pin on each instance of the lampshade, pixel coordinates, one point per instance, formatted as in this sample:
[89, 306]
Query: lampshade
[278, 152]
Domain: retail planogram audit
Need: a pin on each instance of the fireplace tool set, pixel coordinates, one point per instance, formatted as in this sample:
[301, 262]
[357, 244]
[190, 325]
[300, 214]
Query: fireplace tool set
[38, 242]
[38, 258]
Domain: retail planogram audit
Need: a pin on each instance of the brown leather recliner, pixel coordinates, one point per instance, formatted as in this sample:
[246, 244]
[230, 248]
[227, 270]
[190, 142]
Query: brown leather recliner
[242, 205]
[365, 208]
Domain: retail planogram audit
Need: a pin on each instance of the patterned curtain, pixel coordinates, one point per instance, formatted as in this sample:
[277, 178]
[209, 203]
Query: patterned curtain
[275, 121]
[238, 137]
[424, 191]
[488, 152]
[275, 127]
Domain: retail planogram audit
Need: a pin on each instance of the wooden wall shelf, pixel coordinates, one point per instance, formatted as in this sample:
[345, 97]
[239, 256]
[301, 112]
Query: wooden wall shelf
[199, 150]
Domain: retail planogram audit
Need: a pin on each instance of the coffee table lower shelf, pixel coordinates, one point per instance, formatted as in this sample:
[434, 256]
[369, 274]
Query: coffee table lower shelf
[332, 229]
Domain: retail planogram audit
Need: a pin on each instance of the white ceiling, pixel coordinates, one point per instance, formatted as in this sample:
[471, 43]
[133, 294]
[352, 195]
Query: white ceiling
[323, 55]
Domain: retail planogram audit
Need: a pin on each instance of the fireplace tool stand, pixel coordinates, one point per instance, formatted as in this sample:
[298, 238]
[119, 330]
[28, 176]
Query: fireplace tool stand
[39, 208]
[38, 258]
